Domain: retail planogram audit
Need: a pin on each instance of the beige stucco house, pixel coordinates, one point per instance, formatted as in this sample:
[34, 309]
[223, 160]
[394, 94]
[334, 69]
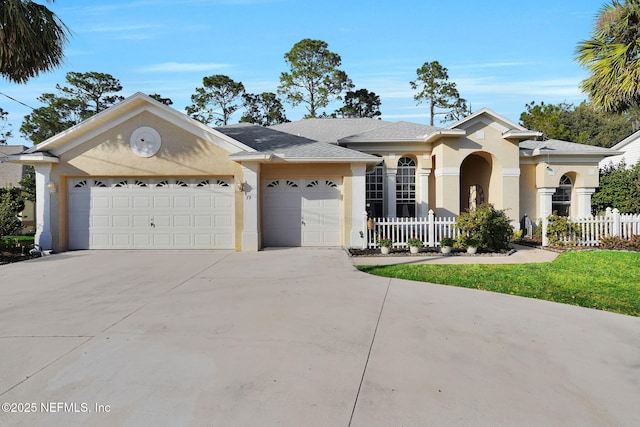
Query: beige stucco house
[141, 175]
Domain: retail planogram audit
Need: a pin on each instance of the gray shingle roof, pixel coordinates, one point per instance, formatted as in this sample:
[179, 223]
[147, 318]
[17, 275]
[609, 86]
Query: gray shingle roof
[558, 146]
[397, 131]
[271, 141]
[11, 173]
[329, 130]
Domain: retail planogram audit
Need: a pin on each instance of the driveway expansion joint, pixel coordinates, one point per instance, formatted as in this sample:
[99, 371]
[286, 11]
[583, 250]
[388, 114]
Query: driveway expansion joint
[366, 363]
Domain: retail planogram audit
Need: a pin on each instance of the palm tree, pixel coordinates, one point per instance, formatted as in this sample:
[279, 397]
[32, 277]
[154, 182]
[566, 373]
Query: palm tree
[31, 39]
[612, 55]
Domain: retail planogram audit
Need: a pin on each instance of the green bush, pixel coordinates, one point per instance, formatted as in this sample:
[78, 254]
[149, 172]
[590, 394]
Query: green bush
[10, 205]
[537, 231]
[447, 241]
[485, 226]
[561, 231]
[415, 242]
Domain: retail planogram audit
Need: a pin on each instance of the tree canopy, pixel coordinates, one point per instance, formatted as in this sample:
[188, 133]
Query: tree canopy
[582, 124]
[31, 39]
[160, 98]
[434, 88]
[264, 109]
[86, 95]
[360, 103]
[216, 100]
[314, 78]
[5, 131]
[612, 57]
[619, 188]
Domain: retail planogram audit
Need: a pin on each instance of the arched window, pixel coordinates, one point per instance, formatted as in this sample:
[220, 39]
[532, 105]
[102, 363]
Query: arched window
[561, 199]
[406, 188]
[375, 192]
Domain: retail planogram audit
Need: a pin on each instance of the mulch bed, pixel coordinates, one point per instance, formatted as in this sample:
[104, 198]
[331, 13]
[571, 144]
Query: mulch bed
[399, 252]
[9, 257]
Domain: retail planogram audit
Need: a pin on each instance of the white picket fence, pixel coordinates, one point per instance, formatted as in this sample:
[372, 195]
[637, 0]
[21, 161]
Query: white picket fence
[430, 230]
[593, 228]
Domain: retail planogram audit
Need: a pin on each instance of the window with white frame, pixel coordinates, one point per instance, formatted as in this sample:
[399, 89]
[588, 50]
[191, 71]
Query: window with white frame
[406, 188]
[375, 192]
[561, 199]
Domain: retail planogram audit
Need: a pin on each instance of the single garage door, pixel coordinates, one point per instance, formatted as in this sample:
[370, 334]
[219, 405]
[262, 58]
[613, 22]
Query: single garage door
[302, 212]
[138, 213]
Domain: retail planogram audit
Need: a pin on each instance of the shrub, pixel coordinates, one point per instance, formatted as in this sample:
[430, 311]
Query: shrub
[486, 226]
[415, 242]
[618, 243]
[537, 231]
[384, 242]
[10, 206]
[446, 241]
[561, 231]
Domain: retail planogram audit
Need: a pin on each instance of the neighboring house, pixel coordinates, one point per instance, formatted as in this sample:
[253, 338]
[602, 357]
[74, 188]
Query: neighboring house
[630, 152]
[141, 175]
[10, 176]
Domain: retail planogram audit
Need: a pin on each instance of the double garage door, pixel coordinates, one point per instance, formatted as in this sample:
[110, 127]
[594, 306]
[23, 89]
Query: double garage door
[138, 213]
[302, 212]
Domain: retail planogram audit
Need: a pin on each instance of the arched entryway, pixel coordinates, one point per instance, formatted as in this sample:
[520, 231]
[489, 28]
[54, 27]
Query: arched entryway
[475, 180]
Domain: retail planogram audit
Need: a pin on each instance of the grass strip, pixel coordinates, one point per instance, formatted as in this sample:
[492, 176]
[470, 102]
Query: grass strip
[604, 280]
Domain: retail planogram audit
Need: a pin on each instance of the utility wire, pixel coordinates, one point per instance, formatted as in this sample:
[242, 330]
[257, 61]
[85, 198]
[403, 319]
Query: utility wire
[19, 102]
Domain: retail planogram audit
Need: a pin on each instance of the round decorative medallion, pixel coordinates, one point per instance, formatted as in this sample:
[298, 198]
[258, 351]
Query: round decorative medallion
[145, 141]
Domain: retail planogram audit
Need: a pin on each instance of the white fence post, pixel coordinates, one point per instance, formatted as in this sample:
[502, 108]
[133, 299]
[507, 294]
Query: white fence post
[365, 230]
[545, 222]
[432, 229]
[617, 229]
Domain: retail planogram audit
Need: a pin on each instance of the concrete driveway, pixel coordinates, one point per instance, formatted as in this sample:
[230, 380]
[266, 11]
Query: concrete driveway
[296, 337]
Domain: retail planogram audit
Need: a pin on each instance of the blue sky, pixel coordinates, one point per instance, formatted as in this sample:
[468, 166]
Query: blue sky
[501, 54]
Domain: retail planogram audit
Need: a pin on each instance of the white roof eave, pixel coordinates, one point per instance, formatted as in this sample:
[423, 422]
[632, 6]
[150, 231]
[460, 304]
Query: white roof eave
[31, 158]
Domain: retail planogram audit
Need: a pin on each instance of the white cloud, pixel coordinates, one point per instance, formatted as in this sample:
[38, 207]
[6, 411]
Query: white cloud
[563, 87]
[496, 64]
[118, 28]
[181, 67]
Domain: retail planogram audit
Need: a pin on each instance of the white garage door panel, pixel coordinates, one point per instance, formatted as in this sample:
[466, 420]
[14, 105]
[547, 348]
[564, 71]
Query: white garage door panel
[120, 240]
[151, 214]
[301, 212]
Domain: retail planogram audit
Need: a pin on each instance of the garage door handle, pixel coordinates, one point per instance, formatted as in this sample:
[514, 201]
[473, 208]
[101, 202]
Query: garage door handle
[302, 221]
[151, 223]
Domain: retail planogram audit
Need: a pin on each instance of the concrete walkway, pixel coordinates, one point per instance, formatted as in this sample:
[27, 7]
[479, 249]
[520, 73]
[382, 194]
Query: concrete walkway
[296, 337]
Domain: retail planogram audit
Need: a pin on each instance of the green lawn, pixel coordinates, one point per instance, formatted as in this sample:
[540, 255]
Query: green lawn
[605, 280]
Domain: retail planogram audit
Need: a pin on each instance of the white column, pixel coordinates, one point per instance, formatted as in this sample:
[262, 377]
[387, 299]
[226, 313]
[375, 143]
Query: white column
[251, 207]
[584, 201]
[545, 203]
[358, 204]
[43, 236]
[423, 203]
[390, 187]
